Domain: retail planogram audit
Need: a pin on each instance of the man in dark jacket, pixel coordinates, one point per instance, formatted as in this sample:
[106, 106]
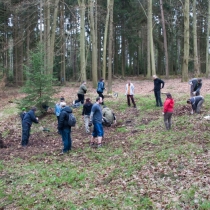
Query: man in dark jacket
[158, 84]
[64, 128]
[27, 121]
[101, 88]
[195, 86]
[196, 103]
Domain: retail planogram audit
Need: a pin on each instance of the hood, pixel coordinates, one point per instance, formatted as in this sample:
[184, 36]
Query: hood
[67, 109]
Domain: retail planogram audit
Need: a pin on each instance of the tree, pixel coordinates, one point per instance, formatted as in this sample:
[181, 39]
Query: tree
[195, 46]
[164, 38]
[111, 5]
[207, 43]
[186, 42]
[38, 87]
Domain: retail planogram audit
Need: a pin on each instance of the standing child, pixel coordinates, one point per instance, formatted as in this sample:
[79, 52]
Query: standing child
[86, 113]
[129, 92]
[168, 110]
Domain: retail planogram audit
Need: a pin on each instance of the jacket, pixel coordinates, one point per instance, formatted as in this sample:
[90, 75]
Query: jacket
[168, 105]
[131, 89]
[82, 89]
[108, 114]
[195, 85]
[87, 108]
[157, 84]
[64, 117]
[29, 118]
[100, 87]
[195, 100]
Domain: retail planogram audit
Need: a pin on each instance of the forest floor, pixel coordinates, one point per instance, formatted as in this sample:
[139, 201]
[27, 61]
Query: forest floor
[141, 166]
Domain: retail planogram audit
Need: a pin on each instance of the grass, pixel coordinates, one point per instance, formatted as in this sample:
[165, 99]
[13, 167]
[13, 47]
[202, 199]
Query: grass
[142, 170]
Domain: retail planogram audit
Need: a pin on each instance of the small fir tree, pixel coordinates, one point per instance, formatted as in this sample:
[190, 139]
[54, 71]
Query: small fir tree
[39, 84]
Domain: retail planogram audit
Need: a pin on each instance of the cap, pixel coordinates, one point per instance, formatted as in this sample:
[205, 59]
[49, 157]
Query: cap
[62, 104]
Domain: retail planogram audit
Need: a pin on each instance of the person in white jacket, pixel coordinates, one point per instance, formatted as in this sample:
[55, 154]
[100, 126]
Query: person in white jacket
[129, 92]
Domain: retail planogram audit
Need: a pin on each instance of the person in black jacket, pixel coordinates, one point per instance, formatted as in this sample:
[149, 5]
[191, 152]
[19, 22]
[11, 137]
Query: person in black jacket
[195, 86]
[196, 103]
[86, 113]
[64, 128]
[158, 84]
[27, 121]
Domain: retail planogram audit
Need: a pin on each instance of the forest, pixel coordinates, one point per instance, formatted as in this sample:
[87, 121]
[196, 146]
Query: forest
[93, 39]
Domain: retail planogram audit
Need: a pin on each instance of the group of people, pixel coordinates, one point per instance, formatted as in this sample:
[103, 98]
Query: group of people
[99, 115]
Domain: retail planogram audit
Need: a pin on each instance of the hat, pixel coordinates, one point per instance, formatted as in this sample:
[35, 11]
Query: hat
[62, 103]
[33, 108]
[23, 109]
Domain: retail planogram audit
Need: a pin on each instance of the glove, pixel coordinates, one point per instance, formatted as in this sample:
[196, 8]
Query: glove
[163, 113]
[90, 124]
[191, 112]
[194, 93]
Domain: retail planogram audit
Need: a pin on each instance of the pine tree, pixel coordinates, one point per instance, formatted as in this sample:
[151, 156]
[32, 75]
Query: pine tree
[39, 84]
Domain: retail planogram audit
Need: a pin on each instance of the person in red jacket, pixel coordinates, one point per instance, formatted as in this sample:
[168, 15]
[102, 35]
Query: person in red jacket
[168, 109]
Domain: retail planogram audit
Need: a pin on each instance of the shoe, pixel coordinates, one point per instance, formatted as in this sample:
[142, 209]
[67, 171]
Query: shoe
[92, 144]
[134, 107]
[99, 145]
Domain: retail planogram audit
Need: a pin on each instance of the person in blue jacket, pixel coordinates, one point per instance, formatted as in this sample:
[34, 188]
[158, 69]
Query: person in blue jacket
[196, 103]
[27, 121]
[64, 128]
[195, 86]
[101, 88]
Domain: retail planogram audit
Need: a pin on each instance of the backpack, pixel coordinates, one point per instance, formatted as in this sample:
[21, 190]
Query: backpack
[72, 120]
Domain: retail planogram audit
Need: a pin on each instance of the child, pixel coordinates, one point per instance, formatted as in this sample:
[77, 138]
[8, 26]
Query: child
[168, 110]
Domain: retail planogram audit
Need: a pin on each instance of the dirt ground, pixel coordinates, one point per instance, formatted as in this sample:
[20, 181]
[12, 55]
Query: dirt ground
[50, 143]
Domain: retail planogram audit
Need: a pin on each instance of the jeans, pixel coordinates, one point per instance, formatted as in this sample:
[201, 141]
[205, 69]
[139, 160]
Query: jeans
[87, 119]
[132, 99]
[66, 138]
[157, 97]
[198, 108]
[167, 120]
[81, 98]
[25, 133]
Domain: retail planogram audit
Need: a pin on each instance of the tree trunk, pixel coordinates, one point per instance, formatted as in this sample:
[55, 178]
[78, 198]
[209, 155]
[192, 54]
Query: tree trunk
[94, 44]
[149, 32]
[165, 39]
[207, 44]
[186, 42]
[105, 40]
[195, 45]
[110, 47]
[82, 40]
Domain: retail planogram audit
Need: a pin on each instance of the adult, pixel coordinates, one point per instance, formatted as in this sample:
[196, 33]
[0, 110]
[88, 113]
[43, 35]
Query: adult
[158, 84]
[81, 93]
[27, 121]
[129, 92]
[101, 88]
[196, 103]
[86, 113]
[96, 120]
[195, 86]
[108, 117]
[64, 128]
[168, 109]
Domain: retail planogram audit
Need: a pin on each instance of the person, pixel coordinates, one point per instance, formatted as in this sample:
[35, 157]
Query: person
[64, 128]
[129, 91]
[96, 120]
[27, 121]
[108, 117]
[158, 84]
[196, 103]
[195, 86]
[101, 88]
[86, 113]
[22, 114]
[168, 110]
[81, 93]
